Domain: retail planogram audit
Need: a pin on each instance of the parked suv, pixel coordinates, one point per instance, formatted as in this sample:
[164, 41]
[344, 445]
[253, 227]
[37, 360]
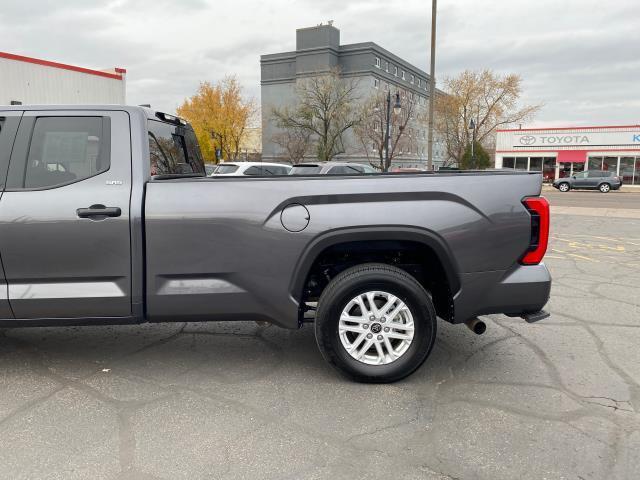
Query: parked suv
[237, 169]
[589, 180]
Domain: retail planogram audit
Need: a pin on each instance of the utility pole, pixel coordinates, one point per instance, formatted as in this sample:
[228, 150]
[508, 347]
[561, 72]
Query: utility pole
[432, 81]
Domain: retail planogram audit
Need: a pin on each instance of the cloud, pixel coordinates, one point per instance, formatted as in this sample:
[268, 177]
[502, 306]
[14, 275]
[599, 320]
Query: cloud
[575, 56]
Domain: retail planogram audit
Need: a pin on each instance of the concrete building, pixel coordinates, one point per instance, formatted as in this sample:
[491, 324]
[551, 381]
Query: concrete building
[375, 70]
[561, 152]
[34, 81]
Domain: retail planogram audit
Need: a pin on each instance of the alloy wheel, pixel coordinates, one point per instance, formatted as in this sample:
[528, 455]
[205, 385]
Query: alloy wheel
[376, 328]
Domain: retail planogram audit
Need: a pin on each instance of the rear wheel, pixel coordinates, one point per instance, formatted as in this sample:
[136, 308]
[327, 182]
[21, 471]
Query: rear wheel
[564, 187]
[605, 188]
[375, 323]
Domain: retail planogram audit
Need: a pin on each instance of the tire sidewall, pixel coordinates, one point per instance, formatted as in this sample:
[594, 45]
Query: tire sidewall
[416, 299]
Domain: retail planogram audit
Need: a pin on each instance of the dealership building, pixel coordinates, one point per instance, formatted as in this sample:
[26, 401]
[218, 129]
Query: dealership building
[33, 81]
[561, 152]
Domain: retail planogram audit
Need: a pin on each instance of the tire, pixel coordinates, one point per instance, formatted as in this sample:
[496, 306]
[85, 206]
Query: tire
[564, 187]
[604, 188]
[401, 356]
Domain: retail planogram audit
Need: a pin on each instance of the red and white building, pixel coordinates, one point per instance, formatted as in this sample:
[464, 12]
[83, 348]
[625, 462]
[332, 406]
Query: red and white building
[561, 152]
[34, 81]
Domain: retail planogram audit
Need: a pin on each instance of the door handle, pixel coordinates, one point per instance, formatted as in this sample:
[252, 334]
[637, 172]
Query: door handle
[98, 212]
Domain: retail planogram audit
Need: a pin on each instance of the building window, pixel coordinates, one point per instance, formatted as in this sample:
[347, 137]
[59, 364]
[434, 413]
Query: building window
[509, 162]
[535, 164]
[595, 163]
[386, 86]
[395, 71]
[378, 62]
[386, 66]
[627, 166]
[376, 83]
[610, 164]
[419, 83]
[413, 79]
[521, 163]
[404, 77]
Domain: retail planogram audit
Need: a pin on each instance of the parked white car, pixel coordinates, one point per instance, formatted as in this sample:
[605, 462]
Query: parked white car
[236, 169]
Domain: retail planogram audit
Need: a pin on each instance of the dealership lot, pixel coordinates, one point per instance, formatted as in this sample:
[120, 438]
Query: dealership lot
[559, 399]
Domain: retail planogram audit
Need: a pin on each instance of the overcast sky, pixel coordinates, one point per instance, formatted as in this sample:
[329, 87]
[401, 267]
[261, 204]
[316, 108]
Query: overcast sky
[579, 58]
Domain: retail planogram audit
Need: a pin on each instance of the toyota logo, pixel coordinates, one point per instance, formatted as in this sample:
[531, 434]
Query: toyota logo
[527, 140]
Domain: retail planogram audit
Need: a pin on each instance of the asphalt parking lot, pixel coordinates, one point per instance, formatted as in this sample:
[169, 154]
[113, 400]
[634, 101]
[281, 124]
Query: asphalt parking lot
[556, 400]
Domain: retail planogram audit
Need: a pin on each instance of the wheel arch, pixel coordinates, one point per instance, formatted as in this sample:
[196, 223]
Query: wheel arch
[425, 238]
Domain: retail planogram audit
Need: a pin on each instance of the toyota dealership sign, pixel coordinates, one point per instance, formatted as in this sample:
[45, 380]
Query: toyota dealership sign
[579, 139]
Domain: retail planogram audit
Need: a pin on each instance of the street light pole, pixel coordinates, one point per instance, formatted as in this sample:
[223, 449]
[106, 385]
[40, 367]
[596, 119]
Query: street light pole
[386, 135]
[432, 83]
[397, 110]
[472, 127]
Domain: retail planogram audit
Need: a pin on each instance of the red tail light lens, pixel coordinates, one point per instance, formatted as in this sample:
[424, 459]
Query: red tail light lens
[538, 208]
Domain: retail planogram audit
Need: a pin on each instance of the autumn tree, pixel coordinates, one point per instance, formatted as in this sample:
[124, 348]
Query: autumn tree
[295, 142]
[220, 116]
[489, 99]
[326, 108]
[403, 134]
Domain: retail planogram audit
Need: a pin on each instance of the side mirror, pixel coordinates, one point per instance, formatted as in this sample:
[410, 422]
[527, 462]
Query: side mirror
[573, 176]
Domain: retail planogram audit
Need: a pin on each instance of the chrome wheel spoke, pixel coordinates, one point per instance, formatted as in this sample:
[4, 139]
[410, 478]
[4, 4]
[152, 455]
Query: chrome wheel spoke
[400, 336]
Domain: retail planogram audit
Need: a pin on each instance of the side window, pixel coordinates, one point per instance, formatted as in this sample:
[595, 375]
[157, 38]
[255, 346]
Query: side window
[8, 129]
[255, 170]
[65, 150]
[345, 170]
[595, 174]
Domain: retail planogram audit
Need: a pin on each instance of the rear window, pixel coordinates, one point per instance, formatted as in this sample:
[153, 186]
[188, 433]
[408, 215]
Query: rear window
[226, 169]
[174, 150]
[305, 170]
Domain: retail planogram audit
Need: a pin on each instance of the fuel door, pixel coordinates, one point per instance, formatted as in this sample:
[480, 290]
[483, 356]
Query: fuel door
[295, 217]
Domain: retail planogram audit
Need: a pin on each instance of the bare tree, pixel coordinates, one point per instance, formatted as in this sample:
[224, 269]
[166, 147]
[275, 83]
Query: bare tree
[295, 142]
[326, 109]
[486, 97]
[405, 129]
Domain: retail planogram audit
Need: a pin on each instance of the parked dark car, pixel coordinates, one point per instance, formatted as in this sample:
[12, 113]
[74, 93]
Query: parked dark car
[589, 180]
[107, 217]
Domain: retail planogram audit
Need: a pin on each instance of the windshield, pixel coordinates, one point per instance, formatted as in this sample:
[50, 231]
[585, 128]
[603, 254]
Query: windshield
[174, 150]
[305, 169]
[226, 169]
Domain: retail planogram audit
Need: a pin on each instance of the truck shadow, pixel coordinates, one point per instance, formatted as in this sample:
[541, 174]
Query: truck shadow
[207, 353]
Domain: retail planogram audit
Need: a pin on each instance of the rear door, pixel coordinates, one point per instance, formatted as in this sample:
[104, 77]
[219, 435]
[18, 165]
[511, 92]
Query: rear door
[9, 122]
[64, 216]
[594, 178]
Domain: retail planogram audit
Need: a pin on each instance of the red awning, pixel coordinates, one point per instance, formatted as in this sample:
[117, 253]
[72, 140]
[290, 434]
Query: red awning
[572, 156]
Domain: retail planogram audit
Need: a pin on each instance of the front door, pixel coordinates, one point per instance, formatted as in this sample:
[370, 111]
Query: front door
[64, 216]
[9, 122]
[580, 180]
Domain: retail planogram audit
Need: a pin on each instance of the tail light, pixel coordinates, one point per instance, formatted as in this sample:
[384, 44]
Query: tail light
[538, 208]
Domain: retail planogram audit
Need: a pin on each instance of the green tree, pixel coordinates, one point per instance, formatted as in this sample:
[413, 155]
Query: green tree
[480, 161]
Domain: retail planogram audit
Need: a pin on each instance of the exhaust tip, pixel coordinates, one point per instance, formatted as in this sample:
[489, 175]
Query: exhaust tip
[476, 325]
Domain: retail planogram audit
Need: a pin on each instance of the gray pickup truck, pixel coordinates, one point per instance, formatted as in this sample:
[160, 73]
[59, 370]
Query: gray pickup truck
[106, 217]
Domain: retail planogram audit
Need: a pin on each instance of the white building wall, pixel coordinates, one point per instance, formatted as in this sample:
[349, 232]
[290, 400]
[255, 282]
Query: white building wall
[31, 83]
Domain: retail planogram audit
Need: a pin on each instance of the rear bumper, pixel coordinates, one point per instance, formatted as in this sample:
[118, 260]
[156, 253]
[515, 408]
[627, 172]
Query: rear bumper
[524, 289]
